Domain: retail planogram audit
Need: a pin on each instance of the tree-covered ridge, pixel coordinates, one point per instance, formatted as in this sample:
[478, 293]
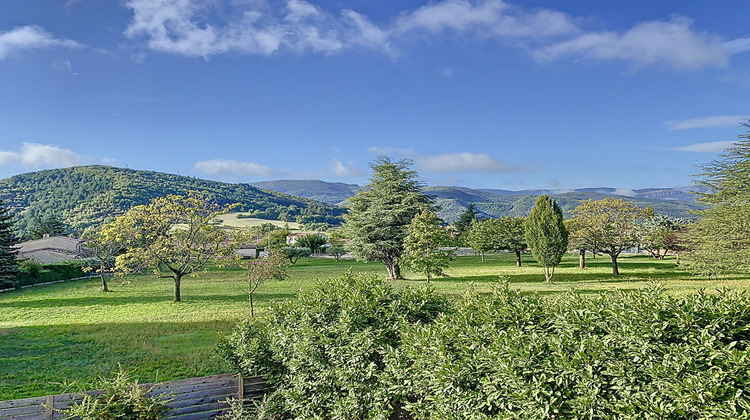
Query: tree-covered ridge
[89, 195]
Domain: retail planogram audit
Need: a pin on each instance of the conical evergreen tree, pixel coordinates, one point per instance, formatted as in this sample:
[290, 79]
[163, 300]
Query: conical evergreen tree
[8, 261]
[546, 234]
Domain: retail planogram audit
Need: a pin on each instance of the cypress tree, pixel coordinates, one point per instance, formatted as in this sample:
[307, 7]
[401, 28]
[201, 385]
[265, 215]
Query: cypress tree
[546, 234]
[8, 253]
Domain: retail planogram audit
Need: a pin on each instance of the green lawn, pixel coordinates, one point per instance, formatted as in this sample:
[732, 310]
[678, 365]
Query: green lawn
[69, 333]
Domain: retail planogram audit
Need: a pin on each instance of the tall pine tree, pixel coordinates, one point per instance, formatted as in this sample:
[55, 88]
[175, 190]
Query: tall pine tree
[380, 214]
[8, 253]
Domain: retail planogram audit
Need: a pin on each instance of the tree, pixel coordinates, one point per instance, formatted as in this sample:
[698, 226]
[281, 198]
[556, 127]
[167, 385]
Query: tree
[50, 225]
[608, 226]
[272, 267]
[423, 246]
[720, 239]
[277, 238]
[464, 223]
[512, 235]
[379, 215]
[546, 234]
[315, 242]
[174, 235]
[482, 236]
[294, 253]
[656, 234]
[491, 235]
[8, 252]
[103, 246]
[577, 240]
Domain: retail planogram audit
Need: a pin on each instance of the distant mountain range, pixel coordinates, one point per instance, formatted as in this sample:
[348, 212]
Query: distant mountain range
[678, 202]
[89, 195]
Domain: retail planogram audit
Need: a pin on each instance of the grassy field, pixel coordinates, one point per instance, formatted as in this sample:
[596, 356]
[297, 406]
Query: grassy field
[231, 219]
[62, 335]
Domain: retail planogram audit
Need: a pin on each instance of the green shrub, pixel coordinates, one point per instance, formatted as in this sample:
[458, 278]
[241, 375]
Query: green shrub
[122, 398]
[323, 354]
[638, 354]
[355, 349]
[31, 272]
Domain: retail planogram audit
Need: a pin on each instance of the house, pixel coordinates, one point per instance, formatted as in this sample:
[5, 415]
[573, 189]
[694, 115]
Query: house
[247, 251]
[50, 249]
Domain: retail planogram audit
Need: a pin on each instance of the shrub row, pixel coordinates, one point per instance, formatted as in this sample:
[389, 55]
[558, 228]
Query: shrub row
[34, 273]
[353, 348]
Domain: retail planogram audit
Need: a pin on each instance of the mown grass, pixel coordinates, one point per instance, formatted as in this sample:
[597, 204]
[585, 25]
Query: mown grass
[70, 333]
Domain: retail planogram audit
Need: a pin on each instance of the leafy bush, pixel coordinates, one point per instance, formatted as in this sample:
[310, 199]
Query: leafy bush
[122, 398]
[323, 354]
[31, 272]
[354, 349]
[639, 354]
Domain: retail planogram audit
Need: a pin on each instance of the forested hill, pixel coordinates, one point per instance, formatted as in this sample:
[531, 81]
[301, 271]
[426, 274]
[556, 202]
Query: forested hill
[88, 195]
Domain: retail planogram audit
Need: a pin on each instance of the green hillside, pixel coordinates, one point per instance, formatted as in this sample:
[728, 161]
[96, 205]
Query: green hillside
[89, 195]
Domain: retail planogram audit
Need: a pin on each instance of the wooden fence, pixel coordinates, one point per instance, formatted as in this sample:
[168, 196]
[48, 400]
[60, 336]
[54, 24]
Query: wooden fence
[189, 399]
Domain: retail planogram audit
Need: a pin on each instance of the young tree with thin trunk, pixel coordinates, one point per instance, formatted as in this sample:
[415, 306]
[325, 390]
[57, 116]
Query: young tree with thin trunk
[546, 234]
[425, 246]
[379, 216]
[609, 226]
[174, 236]
[483, 236]
[272, 267]
[102, 246]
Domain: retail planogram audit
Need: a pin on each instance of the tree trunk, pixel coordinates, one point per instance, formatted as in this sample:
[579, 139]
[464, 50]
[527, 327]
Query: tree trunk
[104, 281]
[548, 274]
[518, 258]
[482, 257]
[581, 258]
[390, 267]
[615, 270]
[252, 312]
[177, 279]
[397, 271]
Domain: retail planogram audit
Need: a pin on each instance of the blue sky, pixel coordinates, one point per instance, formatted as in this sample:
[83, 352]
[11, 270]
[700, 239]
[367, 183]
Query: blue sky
[481, 93]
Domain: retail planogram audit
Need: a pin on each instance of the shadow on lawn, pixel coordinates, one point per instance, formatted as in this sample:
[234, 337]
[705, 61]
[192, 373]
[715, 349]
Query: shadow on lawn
[112, 299]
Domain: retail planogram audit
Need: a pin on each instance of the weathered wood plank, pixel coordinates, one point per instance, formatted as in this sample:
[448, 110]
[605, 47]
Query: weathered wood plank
[200, 401]
[197, 409]
[207, 393]
[23, 402]
[201, 416]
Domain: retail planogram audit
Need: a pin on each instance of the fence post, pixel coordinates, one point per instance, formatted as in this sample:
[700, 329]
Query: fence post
[49, 411]
[241, 387]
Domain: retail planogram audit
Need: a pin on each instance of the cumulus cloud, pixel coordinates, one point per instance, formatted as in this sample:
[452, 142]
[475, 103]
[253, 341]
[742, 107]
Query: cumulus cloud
[465, 161]
[707, 122]
[345, 171]
[709, 147]
[672, 44]
[36, 155]
[205, 28]
[30, 37]
[233, 167]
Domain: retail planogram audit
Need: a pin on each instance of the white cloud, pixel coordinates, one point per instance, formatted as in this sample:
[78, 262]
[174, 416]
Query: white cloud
[672, 44]
[706, 122]
[36, 155]
[345, 171]
[709, 147]
[465, 161]
[30, 37]
[202, 28]
[234, 167]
